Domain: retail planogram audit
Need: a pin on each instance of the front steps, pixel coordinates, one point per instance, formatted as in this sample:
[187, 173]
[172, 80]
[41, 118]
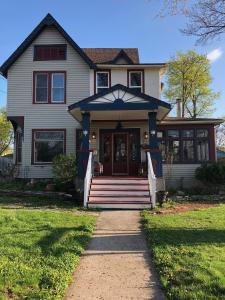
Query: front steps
[119, 193]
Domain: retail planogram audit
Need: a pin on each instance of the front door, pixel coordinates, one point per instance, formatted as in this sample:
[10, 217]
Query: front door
[120, 151]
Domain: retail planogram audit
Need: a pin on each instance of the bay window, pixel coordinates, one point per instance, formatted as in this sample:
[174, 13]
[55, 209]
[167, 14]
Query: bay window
[49, 87]
[102, 81]
[47, 144]
[136, 80]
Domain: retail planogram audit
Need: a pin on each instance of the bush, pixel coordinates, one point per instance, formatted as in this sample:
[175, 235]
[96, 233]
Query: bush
[211, 173]
[64, 169]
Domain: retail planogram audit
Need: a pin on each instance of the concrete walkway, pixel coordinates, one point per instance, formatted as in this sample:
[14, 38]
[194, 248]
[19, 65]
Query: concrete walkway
[117, 264]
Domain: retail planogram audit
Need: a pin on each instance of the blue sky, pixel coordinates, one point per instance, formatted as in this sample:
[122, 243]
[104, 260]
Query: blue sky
[109, 23]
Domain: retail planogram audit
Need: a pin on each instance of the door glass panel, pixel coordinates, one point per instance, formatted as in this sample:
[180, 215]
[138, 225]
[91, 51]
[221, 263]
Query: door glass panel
[106, 148]
[120, 147]
[133, 147]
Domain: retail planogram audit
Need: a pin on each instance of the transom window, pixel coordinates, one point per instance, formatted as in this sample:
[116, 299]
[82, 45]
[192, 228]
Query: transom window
[49, 87]
[47, 144]
[50, 52]
[184, 146]
[135, 80]
[102, 81]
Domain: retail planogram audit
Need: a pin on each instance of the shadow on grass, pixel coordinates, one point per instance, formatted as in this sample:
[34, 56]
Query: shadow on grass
[175, 237]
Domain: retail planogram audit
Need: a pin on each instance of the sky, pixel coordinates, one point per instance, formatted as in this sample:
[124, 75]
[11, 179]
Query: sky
[110, 23]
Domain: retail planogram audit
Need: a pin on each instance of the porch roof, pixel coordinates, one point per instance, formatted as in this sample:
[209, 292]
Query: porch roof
[119, 103]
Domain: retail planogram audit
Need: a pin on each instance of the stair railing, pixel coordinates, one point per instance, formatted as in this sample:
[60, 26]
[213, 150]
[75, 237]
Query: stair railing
[88, 177]
[151, 180]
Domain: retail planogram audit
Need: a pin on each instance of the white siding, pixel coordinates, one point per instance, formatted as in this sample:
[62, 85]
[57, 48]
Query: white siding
[180, 175]
[49, 116]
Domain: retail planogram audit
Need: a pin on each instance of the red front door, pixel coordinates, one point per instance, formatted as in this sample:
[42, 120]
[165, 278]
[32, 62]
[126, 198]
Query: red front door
[120, 154]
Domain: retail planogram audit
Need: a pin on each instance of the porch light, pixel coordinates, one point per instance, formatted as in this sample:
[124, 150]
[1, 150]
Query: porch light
[145, 135]
[93, 135]
[152, 132]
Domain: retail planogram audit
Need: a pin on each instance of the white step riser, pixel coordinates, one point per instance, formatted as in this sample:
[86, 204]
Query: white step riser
[119, 199]
[132, 193]
[119, 187]
[119, 181]
[120, 206]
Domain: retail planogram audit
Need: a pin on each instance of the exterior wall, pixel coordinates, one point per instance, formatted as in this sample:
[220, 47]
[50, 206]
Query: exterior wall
[45, 116]
[180, 176]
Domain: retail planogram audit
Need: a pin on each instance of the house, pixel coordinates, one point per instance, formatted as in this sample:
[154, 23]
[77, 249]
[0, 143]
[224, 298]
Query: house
[101, 103]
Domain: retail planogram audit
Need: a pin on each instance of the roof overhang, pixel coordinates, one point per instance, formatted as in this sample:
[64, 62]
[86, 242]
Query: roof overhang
[186, 121]
[119, 103]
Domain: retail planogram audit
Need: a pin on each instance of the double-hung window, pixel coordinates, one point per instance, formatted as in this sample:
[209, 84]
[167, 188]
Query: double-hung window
[49, 87]
[136, 80]
[102, 81]
[47, 144]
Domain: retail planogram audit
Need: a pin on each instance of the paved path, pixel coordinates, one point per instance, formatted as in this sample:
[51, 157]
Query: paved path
[116, 264]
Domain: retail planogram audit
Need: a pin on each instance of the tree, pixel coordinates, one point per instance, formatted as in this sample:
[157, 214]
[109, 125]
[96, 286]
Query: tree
[220, 135]
[188, 78]
[6, 132]
[206, 18]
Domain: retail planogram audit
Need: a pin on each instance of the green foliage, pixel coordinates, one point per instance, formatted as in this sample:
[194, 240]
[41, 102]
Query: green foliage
[39, 251]
[189, 252]
[64, 168]
[211, 173]
[188, 78]
[6, 131]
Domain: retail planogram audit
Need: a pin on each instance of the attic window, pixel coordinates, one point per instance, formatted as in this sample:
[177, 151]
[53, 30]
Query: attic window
[50, 52]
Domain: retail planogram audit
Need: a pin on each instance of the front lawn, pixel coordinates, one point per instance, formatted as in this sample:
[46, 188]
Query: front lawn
[40, 249]
[189, 252]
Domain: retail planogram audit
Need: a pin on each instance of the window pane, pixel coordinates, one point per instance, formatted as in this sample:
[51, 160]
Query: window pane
[58, 80]
[188, 133]
[58, 94]
[138, 90]
[46, 150]
[135, 79]
[202, 150]
[173, 133]
[174, 150]
[99, 90]
[41, 88]
[49, 135]
[102, 79]
[188, 150]
[42, 80]
[202, 133]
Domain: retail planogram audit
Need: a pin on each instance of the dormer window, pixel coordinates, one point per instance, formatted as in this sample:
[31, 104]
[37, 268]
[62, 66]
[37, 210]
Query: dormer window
[50, 52]
[136, 80]
[102, 81]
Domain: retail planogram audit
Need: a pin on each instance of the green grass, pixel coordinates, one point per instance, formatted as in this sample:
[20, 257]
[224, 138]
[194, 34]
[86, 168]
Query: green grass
[40, 247]
[189, 252]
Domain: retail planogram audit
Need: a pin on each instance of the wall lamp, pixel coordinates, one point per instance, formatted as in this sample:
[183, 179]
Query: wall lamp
[145, 135]
[93, 135]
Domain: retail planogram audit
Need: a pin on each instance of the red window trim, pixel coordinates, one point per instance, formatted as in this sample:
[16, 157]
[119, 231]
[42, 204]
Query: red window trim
[33, 148]
[143, 77]
[18, 135]
[49, 86]
[95, 76]
[63, 46]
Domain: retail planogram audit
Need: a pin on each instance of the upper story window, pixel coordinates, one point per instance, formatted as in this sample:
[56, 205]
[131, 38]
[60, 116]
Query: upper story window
[136, 80]
[50, 52]
[102, 81]
[49, 87]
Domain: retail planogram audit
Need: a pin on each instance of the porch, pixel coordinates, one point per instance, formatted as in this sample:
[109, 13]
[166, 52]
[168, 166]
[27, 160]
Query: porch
[119, 129]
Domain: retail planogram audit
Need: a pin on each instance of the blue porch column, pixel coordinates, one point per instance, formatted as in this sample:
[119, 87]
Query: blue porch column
[84, 151]
[153, 144]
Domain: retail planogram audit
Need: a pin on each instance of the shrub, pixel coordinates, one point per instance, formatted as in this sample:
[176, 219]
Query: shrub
[211, 173]
[64, 168]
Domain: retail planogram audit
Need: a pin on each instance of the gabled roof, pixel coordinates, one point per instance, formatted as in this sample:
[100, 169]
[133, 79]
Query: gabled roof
[121, 87]
[47, 21]
[109, 55]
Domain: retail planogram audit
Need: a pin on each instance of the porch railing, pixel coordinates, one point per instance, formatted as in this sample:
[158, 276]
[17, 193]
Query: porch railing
[88, 177]
[151, 180]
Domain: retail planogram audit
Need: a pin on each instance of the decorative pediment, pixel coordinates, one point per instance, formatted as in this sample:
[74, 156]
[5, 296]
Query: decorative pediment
[119, 96]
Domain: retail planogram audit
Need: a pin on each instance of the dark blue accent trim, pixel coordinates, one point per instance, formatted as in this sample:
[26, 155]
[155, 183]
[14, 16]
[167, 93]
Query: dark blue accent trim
[157, 157]
[153, 141]
[154, 102]
[47, 21]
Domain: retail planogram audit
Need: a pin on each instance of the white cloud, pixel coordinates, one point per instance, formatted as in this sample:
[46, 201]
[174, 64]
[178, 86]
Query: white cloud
[214, 54]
